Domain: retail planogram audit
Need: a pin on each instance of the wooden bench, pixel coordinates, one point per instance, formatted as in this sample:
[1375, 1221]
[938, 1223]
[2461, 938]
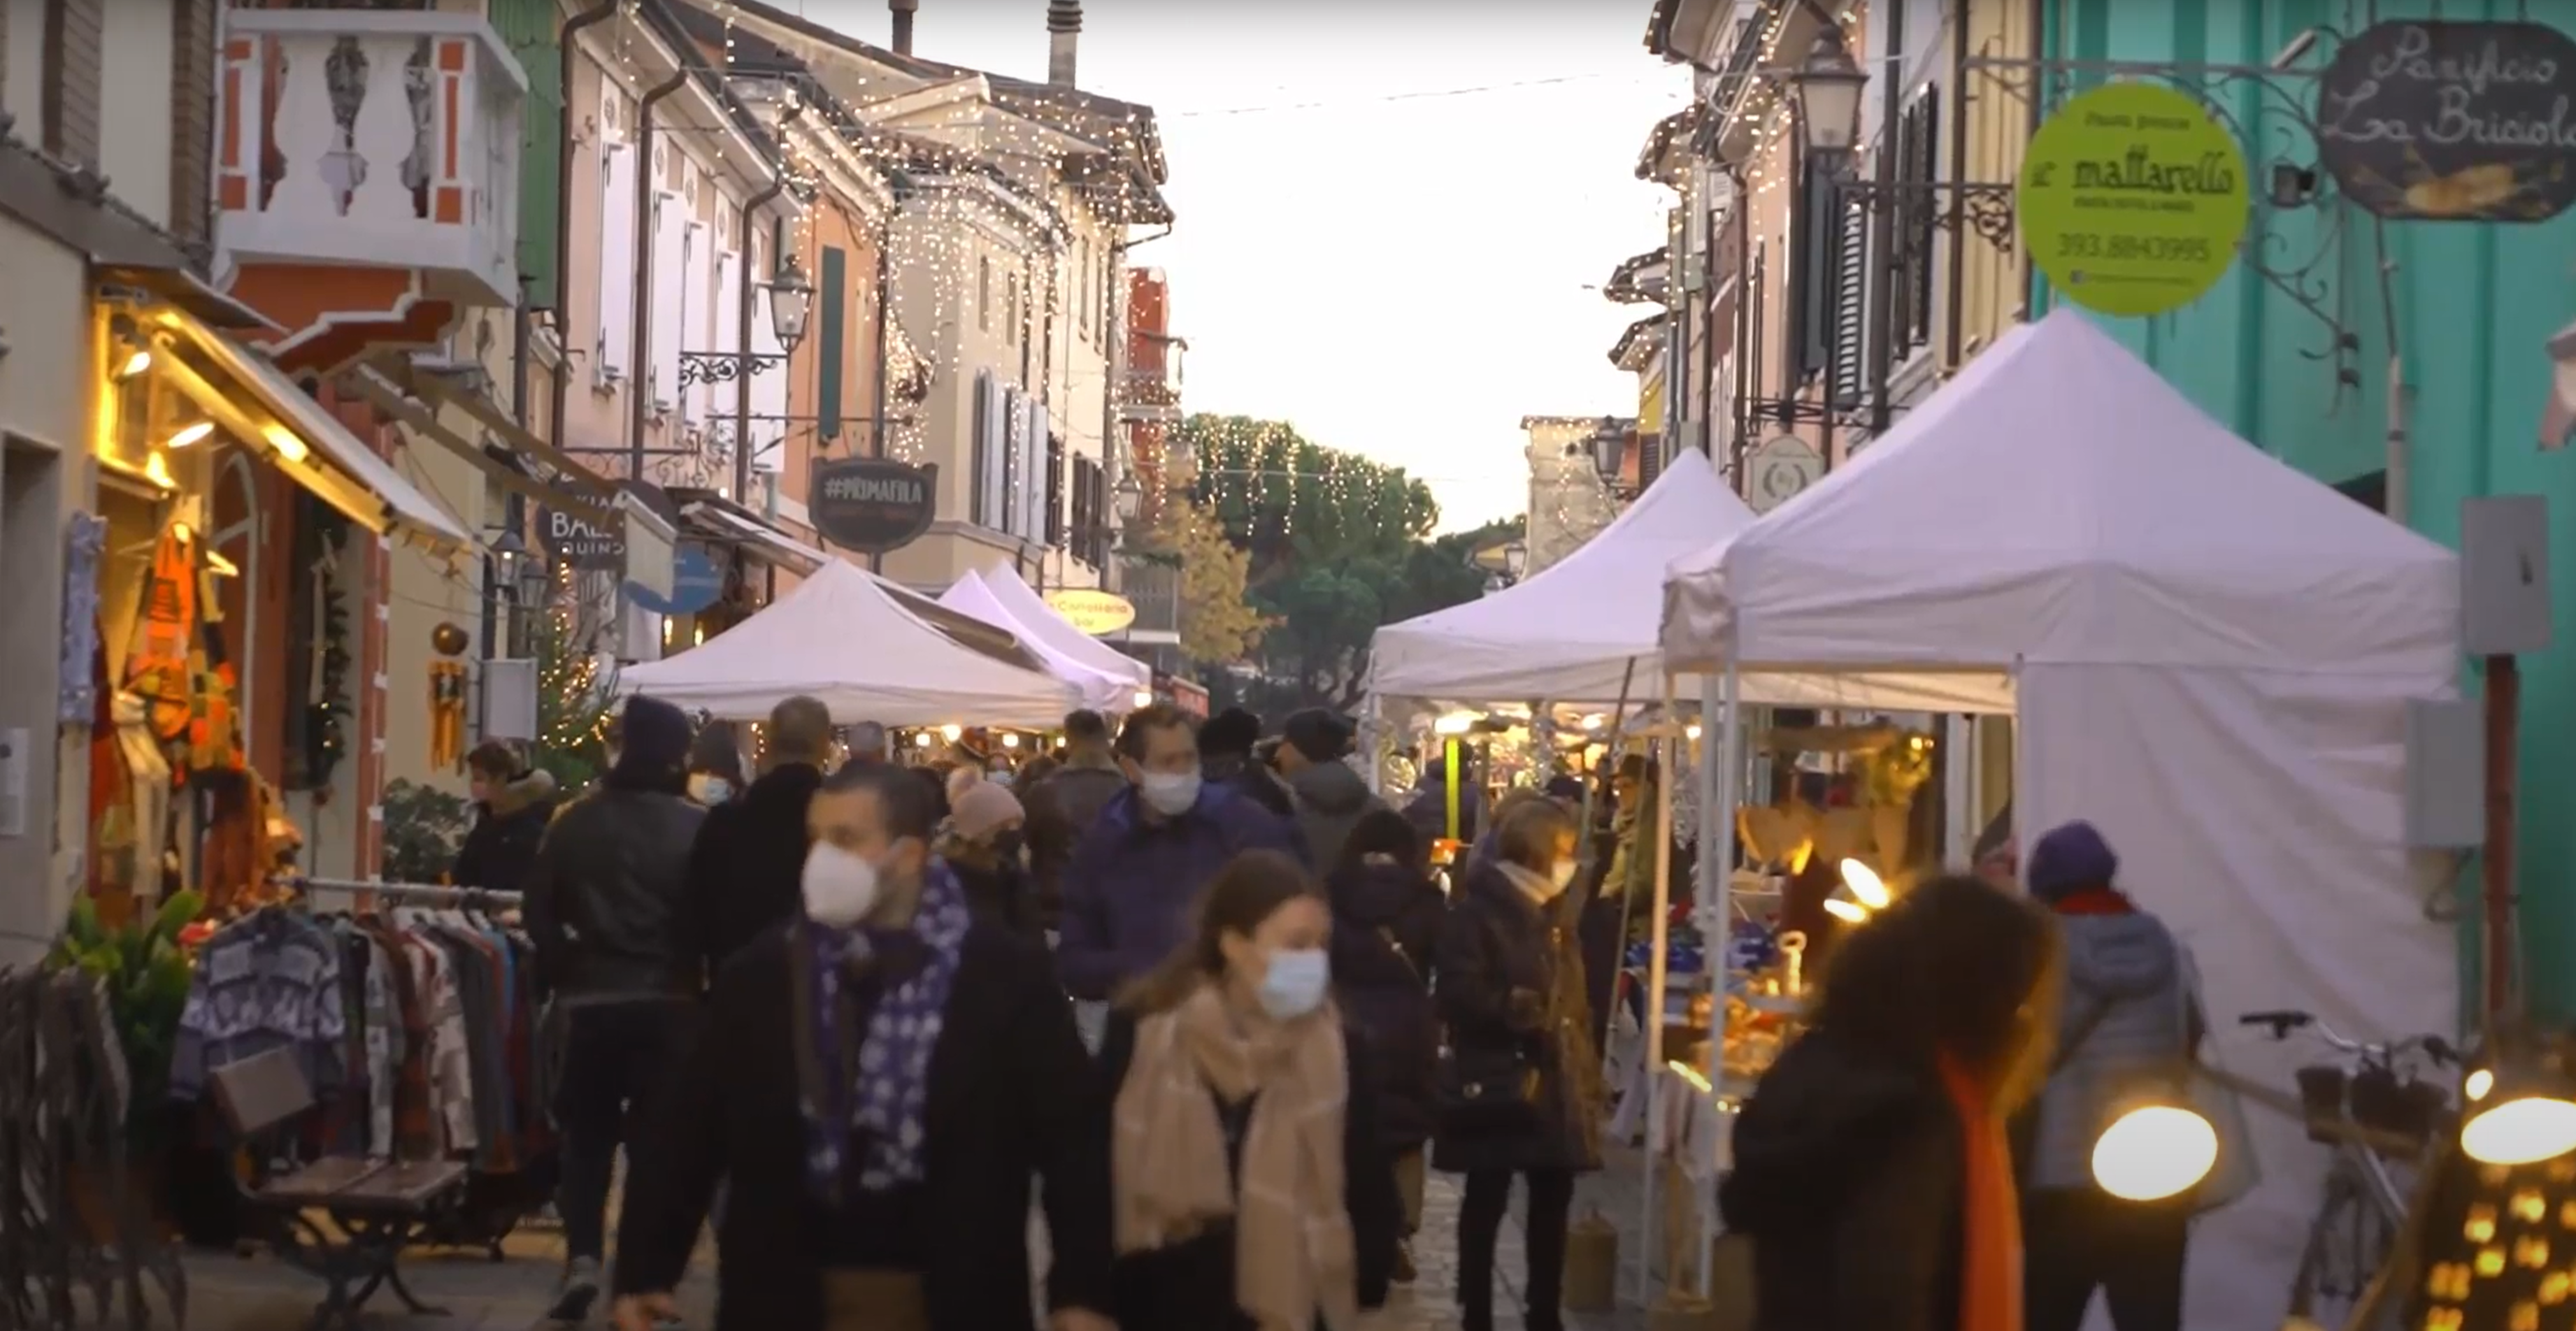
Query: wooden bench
[375, 1208]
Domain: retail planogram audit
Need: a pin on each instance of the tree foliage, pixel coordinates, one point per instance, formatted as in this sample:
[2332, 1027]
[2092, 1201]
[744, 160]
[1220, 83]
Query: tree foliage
[1337, 546]
[1218, 626]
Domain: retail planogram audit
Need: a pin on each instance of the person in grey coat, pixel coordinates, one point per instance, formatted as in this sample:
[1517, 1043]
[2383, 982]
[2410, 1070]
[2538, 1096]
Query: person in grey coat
[2127, 1023]
[1328, 796]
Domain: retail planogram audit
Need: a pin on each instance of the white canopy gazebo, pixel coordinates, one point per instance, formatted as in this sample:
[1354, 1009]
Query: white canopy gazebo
[1044, 625]
[970, 595]
[2210, 656]
[848, 640]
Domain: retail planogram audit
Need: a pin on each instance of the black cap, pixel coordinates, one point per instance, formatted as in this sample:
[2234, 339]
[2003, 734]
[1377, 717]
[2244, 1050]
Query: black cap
[1320, 735]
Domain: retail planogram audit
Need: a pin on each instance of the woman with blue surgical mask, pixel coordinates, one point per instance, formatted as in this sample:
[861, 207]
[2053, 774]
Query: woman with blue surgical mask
[1251, 1188]
[1519, 1091]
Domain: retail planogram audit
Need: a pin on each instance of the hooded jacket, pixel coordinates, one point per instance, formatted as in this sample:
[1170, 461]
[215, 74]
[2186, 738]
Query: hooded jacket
[1330, 800]
[1847, 1177]
[507, 830]
[1060, 811]
[2127, 968]
[1386, 922]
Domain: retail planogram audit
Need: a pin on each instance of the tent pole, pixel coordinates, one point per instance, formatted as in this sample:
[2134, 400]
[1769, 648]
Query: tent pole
[1720, 698]
[1661, 822]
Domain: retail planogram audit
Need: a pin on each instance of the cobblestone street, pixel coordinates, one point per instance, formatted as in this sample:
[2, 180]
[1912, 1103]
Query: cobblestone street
[234, 1294]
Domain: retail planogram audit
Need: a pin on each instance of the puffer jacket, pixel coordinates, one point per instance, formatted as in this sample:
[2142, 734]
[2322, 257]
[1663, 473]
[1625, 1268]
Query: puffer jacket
[507, 831]
[1060, 811]
[2127, 968]
[1330, 799]
[606, 899]
[1386, 924]
[1508, 983]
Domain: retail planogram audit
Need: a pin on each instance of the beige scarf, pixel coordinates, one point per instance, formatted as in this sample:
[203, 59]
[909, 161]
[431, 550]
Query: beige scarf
[1294, 1258]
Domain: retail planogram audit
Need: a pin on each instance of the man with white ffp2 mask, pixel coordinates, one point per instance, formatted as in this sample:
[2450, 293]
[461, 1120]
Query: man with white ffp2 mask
[1136, 875]
[878, 1083]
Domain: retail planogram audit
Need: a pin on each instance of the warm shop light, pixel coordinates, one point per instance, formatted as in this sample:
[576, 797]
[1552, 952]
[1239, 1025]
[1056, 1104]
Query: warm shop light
[134, 365]
[950, 733]
[1143, 698]
[1455, 723]
[194, 434]
[1010, 741]
[284, 441]
[1845, 911]
[1866, 886]
[2153, 1152]
[921, 739]
[2522, 1130]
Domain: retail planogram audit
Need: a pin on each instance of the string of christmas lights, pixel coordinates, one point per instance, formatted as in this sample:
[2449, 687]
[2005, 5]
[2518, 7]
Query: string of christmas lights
[1259, 465]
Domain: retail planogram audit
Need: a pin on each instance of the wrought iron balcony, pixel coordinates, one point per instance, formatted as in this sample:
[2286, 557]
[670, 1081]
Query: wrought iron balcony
[372, 138]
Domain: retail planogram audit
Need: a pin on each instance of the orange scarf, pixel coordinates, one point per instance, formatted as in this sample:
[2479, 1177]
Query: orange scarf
[1990, 1283]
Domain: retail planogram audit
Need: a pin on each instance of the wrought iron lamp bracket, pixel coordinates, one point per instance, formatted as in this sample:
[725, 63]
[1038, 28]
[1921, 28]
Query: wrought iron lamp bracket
[1984, 207]
[724, 367]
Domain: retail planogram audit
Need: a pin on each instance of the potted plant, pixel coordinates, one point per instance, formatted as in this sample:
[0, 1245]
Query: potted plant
[144, 968]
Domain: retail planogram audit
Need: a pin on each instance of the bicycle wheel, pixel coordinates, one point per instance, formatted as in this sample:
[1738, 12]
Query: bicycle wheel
[2348, 1241]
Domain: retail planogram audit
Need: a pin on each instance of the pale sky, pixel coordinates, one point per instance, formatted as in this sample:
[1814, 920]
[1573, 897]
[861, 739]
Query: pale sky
[1394, 216]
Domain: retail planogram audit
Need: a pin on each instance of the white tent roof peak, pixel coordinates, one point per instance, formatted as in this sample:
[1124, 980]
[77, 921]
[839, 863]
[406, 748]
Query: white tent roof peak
[1568, 631]
[971, 595]
[1046, 626]
[2058, 500]
[841, 638]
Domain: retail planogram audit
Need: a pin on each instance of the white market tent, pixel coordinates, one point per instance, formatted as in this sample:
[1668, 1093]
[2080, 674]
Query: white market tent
[1044, 625]
[1570, 633]
[2210, 657]
[844, 638]
[970, 595]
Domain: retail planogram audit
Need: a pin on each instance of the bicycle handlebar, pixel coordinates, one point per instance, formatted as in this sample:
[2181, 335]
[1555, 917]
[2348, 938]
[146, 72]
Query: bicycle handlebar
[2283, 1021]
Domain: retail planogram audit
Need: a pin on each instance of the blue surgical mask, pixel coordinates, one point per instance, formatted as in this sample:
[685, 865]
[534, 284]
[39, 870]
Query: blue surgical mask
[709, 789]
[1295, 982]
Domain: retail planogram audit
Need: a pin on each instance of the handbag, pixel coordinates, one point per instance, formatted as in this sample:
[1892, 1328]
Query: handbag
[2237, 1170]
[1489, 1091]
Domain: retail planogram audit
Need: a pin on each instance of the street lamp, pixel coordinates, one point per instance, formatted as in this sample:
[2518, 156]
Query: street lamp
[1609, 447]
[1515, 559]
[1129, 499]
[1829, 88]
[791, 300]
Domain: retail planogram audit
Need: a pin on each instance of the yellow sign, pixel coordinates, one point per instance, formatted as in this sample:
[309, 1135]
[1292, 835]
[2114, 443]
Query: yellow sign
[1095, 613]
[2132, 199]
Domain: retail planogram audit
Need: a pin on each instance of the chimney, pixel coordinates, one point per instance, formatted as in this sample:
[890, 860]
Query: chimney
[1064, 28]
[903, 24]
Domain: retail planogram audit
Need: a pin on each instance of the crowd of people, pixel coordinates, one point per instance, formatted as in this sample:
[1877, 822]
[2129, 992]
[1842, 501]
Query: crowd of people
[1201, 1001]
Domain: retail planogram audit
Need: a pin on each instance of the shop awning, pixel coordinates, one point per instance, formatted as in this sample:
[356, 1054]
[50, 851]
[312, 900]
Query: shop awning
[437, 390]
[257, 403]
[756, 537]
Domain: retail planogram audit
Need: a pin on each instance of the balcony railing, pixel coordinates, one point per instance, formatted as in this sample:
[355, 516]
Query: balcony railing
[372, 138]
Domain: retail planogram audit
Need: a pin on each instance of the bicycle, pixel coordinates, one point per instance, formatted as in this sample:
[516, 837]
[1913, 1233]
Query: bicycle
[2379, 1118]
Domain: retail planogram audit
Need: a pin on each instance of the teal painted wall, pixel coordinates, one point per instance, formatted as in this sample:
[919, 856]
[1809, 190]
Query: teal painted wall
[2474, 303]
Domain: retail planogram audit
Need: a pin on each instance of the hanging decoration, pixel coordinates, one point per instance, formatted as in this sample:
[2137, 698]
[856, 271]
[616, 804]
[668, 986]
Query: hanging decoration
[447, 715]
[574, 703]
[326, 703]
[84, 545]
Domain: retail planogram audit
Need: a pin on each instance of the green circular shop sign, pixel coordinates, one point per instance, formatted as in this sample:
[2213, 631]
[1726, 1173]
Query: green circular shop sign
[2132, 199]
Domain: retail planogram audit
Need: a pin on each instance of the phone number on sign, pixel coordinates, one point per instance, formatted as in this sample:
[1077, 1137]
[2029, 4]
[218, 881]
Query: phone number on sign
[2094, 245]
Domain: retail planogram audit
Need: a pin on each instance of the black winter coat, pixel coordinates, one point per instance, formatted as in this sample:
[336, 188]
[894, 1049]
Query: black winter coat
[747, 867]
[1509, 981]
[502, 845]
[1060, 811]
[1013, 1098]
[1190, 1285]
[1847, 1177]
[1386, 923]
[997, 888]
[607, 898]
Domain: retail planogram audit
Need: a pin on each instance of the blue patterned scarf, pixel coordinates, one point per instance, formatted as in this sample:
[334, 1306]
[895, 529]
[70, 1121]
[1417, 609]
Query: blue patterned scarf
[882, 1097]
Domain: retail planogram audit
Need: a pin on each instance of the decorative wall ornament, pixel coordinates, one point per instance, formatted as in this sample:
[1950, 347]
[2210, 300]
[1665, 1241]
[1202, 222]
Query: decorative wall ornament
[84, 544]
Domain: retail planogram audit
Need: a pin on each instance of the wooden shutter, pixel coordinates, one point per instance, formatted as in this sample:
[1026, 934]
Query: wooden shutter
[192, 118]
[724, 399]
[975, 453]
[1055, 479]
[830, 350]
[670, 266]
[1850, 300]
[1812, 266]
[768, 391]
[616, 263]
[70, 101]
[1921, 232]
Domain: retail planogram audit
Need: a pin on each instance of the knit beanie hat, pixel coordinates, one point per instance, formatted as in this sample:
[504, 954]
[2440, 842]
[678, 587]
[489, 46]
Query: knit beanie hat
[981, 808]
[2069, 858]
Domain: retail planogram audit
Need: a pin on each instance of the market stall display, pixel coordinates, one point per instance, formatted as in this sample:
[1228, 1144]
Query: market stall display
[843, 638]
[2209, 656]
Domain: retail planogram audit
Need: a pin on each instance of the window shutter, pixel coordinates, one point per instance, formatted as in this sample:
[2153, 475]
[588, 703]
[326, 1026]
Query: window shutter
[975, 453]
[768, 391]
[1820, 239]
[1850, 290]
[670, 261]
[993, 441]
[192, 117]
[1055, 491]
[1921, 232]
[616, 263]
[73, 70]
[983, 292]
[1650, 459]
[1099, 514]
[697, 298]
[1032, 469]
[527, 27]
[724, 399]
[829, 351]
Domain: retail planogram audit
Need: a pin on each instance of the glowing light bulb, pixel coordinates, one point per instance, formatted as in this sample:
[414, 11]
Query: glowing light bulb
[1865, 884]
[2154, 1152]
[2522, 1131]
[1845, 911]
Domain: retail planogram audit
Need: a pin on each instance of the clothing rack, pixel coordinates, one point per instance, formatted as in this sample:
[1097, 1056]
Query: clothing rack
[418, 894]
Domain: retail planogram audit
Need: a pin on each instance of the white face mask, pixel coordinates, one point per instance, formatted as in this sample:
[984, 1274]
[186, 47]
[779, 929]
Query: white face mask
[709, 789]
[840, 887]
[1170, 794]
[1295, 982]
